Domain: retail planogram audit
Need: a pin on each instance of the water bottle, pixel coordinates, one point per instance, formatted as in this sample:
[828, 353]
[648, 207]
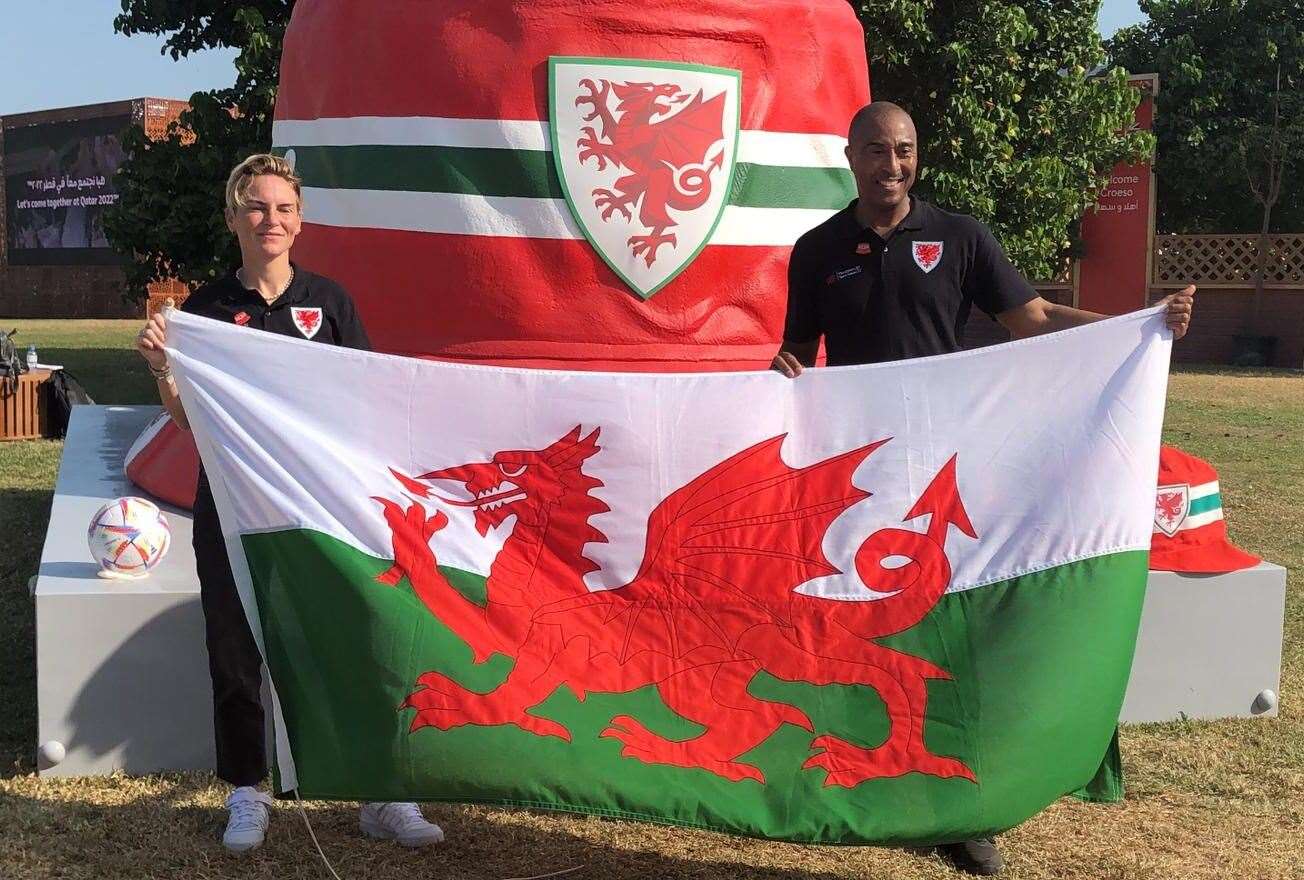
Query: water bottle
[31, 358]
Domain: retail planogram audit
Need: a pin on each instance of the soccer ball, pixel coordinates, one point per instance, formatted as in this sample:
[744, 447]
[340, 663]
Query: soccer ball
[128, 536]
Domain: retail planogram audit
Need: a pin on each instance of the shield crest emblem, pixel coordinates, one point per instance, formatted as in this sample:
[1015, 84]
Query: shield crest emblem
[1172, 504]
[927, 254]
[307, 320]
[645, 153]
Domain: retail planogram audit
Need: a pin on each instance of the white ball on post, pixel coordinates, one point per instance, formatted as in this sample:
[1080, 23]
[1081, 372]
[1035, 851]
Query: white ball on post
[51, 753]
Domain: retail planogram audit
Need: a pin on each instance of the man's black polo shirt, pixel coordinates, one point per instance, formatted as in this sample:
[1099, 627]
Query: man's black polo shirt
[312, 307]
[909, 296]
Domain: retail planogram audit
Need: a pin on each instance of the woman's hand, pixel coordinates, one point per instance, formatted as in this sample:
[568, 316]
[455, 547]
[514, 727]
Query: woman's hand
[149, 341]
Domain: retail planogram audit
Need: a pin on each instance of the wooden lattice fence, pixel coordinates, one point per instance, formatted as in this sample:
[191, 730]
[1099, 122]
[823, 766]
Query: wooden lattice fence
[1227, 260]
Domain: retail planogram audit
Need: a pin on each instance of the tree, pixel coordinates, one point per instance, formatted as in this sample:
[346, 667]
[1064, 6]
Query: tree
[1267, 150]
[169, 218]
[1230, 111]
[1013, 127]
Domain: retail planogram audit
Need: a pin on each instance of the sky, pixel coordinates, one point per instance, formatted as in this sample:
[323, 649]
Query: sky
[61, 53]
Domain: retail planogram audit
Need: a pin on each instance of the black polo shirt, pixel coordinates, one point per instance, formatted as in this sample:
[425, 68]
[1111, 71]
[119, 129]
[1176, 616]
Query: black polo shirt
[908, 296]
[312, 307]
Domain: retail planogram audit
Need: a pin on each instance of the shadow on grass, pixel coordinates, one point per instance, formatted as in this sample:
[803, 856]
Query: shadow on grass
[110, 375]
[24, 514]
[164, 827]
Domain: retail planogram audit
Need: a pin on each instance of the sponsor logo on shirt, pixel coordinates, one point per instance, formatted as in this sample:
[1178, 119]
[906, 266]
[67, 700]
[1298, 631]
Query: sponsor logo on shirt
[843, 274]
[241, 318]
[927, 254]
[864, 248]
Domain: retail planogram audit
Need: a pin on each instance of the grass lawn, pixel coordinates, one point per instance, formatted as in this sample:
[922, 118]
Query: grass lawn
[1205, 799]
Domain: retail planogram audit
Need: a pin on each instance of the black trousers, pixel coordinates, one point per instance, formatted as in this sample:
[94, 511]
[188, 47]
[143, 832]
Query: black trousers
[233, 659]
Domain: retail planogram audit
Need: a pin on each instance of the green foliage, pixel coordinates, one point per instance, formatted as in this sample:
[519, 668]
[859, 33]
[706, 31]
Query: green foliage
[1012, 128]
[1218, 63]
[170, 214]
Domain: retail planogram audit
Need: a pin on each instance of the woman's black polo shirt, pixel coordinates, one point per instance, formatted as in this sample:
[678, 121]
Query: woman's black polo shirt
[312, 307]
[906, 297]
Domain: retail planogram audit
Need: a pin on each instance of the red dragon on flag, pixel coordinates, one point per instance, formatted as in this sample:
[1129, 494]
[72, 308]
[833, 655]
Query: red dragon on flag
[713, 603]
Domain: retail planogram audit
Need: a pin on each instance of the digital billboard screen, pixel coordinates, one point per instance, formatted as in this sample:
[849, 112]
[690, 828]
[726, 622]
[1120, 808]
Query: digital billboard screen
[58, 181]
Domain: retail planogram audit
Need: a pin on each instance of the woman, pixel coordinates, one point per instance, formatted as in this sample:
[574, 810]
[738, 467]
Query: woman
[267, 292]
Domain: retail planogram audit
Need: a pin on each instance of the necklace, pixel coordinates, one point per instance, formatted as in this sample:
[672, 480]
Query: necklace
[239, 276]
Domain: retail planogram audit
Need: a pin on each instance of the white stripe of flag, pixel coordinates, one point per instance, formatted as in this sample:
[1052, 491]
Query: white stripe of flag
[1202, 519]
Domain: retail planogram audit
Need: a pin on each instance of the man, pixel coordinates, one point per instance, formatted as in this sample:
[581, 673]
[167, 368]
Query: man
[892, 277]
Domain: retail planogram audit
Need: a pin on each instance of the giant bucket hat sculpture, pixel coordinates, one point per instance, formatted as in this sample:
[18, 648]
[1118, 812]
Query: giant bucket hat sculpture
[568, 183]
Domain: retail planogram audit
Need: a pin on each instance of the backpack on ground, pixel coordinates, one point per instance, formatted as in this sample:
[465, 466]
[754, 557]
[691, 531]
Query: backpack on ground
[62, 393]
[11, 364]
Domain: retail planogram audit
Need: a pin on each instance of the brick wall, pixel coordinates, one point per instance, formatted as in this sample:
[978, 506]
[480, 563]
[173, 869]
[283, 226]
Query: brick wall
[1220, 314]
[64, 292]
[982, 330]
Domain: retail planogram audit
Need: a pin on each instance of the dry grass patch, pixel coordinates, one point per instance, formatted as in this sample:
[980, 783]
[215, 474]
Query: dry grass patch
[167, 827]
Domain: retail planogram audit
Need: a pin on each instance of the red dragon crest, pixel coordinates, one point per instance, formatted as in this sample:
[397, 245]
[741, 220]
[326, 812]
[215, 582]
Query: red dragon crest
[1171, 506]
[713, 603]
[669, 158]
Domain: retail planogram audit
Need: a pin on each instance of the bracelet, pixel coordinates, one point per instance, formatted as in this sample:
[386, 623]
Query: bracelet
[164, 373]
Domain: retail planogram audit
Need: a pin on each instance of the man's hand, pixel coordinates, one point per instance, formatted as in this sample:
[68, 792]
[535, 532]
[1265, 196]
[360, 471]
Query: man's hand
[786, 363]
[1180, 306]
[793, 357]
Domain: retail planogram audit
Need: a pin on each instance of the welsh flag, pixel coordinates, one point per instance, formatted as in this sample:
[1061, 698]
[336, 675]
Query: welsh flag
[884, 604]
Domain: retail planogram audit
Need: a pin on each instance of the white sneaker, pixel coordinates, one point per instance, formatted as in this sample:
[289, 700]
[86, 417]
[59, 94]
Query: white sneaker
[247, 825]
[398, 821]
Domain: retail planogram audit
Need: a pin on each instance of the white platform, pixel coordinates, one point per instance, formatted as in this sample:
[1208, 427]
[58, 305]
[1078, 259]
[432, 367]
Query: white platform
[122, 675]
[1208, 646]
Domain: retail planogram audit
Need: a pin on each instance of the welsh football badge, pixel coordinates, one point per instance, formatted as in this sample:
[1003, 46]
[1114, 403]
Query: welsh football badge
[1172, 504]
[645, 154]
[307, 320]
[927, 254]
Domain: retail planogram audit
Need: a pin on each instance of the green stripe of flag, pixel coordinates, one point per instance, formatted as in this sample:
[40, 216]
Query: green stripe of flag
[1205, 504]
[531, 174]
[1038, 665]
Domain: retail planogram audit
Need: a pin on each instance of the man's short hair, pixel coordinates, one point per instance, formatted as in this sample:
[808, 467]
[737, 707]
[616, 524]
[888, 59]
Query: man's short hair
[242, 177]
[875, 110]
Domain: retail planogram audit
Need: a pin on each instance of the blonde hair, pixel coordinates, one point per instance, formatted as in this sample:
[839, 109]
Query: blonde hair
[242, 177]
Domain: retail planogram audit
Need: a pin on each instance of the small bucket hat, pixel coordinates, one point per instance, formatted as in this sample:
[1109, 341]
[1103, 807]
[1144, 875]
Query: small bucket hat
[1190, 534]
